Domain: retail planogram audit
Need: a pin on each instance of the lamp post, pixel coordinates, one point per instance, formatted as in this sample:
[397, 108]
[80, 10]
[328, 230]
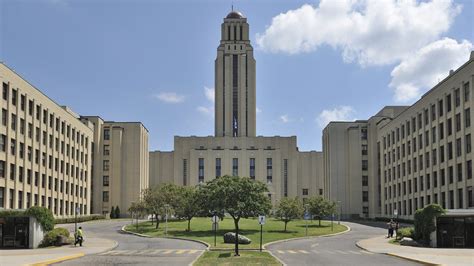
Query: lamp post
[306, 217]
[340, 211]
[166, 218]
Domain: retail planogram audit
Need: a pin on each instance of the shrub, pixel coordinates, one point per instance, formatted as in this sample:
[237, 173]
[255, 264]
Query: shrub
[405, 232]
[80, 219]
[51, 237]
[112, 213]
[117, 212]
[424, 222]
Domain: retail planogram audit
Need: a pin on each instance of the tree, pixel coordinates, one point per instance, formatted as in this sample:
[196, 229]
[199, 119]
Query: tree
[424, 221]
[117, 212]
[320, 207]
[137, 209]
[240, 197]
[188, 204]
[112, 213]
[289, 209]
[160, 200]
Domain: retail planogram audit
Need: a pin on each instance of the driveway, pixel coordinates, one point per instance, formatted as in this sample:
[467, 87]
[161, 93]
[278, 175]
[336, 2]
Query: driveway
[133, 249]
[335, 250]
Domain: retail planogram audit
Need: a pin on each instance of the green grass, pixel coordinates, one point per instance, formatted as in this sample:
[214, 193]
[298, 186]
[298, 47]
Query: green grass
[228, 258]
[394, 241]
[272, 230]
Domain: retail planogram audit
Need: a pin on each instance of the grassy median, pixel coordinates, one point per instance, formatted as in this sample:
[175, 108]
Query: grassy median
[201, 229]
[228, 258]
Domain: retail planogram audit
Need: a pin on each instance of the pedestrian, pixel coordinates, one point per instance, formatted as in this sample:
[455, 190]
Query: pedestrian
[397, 226]
[390, 228]
[79, 237]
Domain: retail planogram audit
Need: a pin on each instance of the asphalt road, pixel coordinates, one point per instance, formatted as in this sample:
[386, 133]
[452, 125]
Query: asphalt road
[135, 250]
[335, 250]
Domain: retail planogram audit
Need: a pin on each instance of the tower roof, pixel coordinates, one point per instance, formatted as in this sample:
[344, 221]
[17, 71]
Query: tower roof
[235, 14]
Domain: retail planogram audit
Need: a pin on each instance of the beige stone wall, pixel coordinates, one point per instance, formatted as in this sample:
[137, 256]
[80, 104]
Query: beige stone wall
[123, 160]
[399, 176]
[51, 147]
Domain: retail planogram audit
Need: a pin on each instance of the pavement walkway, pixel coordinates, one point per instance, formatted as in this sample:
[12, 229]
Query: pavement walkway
[45, 256]
[433, 256]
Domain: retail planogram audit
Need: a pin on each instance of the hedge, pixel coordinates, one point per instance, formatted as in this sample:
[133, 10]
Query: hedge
[43, 215]
[385, 219]
[80, 219]
[424, 222]
[405, 232]
[51, 237]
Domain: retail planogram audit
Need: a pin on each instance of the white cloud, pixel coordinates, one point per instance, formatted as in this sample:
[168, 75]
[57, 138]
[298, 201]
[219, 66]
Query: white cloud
[170, 97]
[284, 118]
[414, 75]
[370, 32]
[209, 92]
[341, 113]
[208, 111]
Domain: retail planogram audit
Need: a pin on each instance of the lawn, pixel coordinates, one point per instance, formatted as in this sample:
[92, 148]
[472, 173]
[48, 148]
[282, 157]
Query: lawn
[228, 258]
[201, 229]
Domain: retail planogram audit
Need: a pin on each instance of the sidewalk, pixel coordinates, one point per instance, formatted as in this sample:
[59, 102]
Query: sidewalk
[44, 256]
[433, 256]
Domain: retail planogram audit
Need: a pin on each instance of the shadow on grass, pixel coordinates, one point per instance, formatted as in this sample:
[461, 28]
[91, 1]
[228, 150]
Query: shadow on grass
[283, 231]
[209, 233]
[315, 226]
[224, 255]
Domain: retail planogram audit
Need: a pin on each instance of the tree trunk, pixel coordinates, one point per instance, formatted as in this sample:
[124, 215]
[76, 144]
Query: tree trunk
[157, 221]
[189, 225]
[285, 225]
[236, 222]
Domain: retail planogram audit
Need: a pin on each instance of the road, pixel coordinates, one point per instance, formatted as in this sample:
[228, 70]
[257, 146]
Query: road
[334, 250]
[133, 249]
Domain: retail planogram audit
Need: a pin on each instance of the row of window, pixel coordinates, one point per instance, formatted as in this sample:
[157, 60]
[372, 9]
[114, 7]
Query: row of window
[63, 208]
[430, 114]
[54, 122]
[425, 161]
[420, 182]
[408, 207]
[235, 168]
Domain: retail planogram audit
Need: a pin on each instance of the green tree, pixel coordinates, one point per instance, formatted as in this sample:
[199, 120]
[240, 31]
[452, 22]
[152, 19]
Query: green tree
[240, 197]
[43, 215]
[112, 213]
[137, 209]
[161, 200]
[117, 212]
[320, 207]
[289, 209]
[188, 204]
[424, 221]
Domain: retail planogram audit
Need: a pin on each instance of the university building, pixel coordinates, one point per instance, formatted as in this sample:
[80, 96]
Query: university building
[235, 149]
[402, 158]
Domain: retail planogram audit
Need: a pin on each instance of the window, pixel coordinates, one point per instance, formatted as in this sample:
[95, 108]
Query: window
[441, 131]
[185, 171]
[105, 196]
[14, 97]
[105, 180]
[2, 195]
[252, 168]
[106, 150]
[219, 168]
[470, 197]
[460, 198]
[5, 92]
[365, 165]
[448, 103]
[458, 147]
[441, 153]
[365, 180]
[285, 178]
[459, 171]
[2, 169]
[467, 117]
[13, 122]
[4, 117]
[30, 107]
[106, 134]
[443, 177]
[363, 132]
[22, 102]
[458, 122]
[450, 150]
[305, 192]
[433, 112]
[201, 170]
[12, 146]
[469, 169]
[440, 107]
[365, 196]
[106, 165]
[3, 142]
[467, 92]
[427, 119]
[269, 170]
[451, 174]
[235, 166]
[364, 149]
[457, 97]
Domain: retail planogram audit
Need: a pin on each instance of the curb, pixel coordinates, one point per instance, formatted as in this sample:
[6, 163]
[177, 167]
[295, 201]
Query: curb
[167, 237]
[348, 228]
[397, 256]
[60, 259]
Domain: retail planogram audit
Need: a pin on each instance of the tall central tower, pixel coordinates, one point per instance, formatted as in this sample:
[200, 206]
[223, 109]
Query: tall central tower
[235, 103]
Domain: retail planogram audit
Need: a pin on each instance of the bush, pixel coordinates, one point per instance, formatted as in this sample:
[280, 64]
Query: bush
[424, 222]
[43, 215]
[51, 237]
[385, 219]
[80, 219]
[112, 213]
[405, 232]
[117, 212]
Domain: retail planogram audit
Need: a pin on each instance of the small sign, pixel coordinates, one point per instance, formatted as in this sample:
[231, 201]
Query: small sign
[261, 219]
[78, 210]
[307, 216]
[395, 212]
[215, 219]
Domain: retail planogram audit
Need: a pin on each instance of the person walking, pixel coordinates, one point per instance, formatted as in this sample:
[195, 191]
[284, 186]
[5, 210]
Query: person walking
[390, 228]
[79, 236]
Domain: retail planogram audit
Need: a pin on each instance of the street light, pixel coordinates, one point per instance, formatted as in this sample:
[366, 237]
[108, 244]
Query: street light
[306, 217]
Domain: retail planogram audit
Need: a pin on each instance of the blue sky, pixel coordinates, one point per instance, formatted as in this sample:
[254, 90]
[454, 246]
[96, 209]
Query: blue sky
[151, 61]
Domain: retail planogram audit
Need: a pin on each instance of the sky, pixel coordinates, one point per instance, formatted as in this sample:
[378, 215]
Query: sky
[153, 61]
